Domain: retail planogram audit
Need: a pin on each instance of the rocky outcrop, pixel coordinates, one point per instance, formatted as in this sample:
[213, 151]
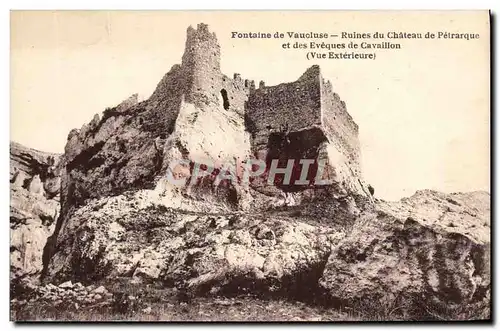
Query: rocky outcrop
[131, 237]
[131, 146]
[432, 247]
[34, 207]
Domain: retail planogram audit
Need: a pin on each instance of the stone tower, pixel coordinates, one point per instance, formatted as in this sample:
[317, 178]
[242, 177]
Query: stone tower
[201, 66]
[199, 114]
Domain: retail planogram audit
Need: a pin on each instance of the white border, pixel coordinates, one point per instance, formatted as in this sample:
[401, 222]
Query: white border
[190, 4]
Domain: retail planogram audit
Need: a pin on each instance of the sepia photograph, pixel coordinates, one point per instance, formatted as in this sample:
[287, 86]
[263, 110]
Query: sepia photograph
[250, 166]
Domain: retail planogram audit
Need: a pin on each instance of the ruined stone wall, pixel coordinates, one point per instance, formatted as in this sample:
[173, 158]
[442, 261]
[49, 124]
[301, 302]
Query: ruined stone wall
[339, 126]
[237, 91]
[305, 120]
[287, 107]
[124, 148]
[204, 83]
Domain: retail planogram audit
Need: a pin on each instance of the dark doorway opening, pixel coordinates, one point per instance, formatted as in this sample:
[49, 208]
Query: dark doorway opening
[225, 102]
[284, 146]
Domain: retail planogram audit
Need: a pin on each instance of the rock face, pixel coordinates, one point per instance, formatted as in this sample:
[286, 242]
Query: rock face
[68, 295]
[34, 207]
[431, 246]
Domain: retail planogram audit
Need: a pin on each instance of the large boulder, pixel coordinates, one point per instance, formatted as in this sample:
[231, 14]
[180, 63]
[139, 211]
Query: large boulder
[131, 237]
[433, 247]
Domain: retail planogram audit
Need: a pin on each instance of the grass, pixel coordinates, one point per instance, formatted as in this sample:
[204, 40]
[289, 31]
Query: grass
[202, 309]
[165, 304]
[154, 303]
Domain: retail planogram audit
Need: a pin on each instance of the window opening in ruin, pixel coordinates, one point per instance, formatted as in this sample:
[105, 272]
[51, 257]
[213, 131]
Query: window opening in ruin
[225, 102]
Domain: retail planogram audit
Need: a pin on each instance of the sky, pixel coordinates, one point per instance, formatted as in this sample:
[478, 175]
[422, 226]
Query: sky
[423, 110]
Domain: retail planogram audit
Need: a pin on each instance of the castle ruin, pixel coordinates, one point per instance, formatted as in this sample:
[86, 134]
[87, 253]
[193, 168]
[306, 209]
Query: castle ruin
[132, 144]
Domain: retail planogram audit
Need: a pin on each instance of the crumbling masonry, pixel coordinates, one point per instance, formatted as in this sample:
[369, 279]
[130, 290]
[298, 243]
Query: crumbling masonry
[132, 144]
